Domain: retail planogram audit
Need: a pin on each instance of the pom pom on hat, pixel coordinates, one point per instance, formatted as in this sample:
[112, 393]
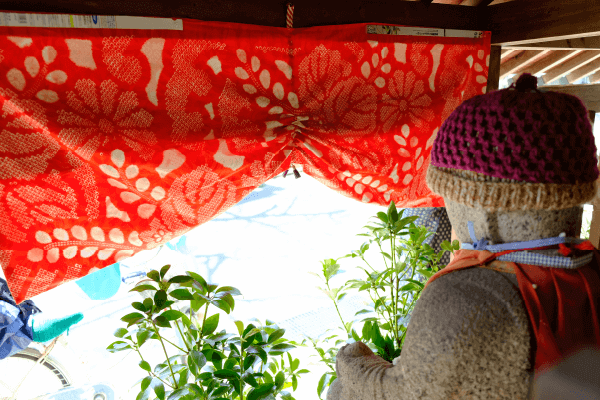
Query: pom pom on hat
[526, 82]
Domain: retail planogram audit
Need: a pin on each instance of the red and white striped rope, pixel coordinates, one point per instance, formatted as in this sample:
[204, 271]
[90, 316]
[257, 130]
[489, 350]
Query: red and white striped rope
[290, 15]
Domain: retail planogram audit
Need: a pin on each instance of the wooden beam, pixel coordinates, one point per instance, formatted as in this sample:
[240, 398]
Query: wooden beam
[589, 94]
[571, 65]
[510, 55]
[527, 57]
[494, 70]
[594, 78]
[584, 71]
[551, 61]
[477, 3]
[586, 43]
[307, 13]
[534, 21]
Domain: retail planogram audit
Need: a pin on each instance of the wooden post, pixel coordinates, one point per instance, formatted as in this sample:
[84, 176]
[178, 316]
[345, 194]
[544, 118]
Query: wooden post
[494, 69]
[595, 225]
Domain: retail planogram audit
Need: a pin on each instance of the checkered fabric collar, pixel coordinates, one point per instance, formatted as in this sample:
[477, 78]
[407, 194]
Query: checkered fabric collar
[551, 258]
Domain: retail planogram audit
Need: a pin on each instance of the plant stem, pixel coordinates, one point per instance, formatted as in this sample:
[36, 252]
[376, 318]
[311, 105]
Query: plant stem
[166, 354]
[204, 319]
[150, 372]
[336, 307]
[182, 337]
[173, 344]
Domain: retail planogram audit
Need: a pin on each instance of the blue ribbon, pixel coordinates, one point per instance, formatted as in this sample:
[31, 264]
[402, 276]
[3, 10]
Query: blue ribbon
[482, 244]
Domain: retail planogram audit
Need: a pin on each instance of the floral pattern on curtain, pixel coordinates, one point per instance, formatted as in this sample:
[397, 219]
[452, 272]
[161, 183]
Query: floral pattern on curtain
[115, 141]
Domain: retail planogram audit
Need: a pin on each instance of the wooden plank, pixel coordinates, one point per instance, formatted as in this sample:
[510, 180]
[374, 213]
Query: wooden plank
[510, 55]
[595, 78]
[494, 70]
[272, 12]
[589, 94]
[595, 226]
[513, 66]
[477, 3]
[571, 65]
[534, 21]
[586, 43]
[551, 61]
[584, 71]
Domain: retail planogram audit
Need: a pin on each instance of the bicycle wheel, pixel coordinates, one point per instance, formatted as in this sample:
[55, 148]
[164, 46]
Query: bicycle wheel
[47, 377]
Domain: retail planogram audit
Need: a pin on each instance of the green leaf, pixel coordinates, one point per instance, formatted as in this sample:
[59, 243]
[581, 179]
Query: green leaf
[240, 327]
[321, 386]
[392, 213]
[138, 306]
[132, 317]
[408, 287]
[141, 288]
[355, 335]
[279, 380]
[198, 279]
[415, 282]
[163, 271]
[260, 392]
[181, 294]
[160, 298]
[119, 345]
[159, 389]
[154, 275]
[145, 366]
[199, 358]
[121, 332]
[383, 217]
[210, 324]
[148, 303]
[181, 279]
[276, 335]
[226, 374]
[281, 348]
[142, 336]
[229, 289]
[172, 315]
[146, 382]
[162, 321]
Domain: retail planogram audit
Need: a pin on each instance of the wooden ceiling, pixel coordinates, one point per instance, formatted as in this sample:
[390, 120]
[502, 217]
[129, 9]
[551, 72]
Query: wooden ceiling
[572, 64]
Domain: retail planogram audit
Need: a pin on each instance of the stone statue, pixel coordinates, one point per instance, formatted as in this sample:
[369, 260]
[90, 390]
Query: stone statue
[514, 167]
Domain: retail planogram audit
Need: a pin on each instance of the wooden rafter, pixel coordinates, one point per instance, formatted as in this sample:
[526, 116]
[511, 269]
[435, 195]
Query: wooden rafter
[595, 78]
[535, 21]
[478, 3]
[510, 55]
[589, 94]
[571, 65]
[307, 13]
[514, 65]
[552, 60]
[586, 43]
[584, 71]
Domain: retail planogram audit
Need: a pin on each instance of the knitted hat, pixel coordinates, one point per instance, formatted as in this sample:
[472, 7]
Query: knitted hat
[516, 149]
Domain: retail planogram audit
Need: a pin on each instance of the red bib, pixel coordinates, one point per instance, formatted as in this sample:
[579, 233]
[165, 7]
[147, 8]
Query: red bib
[563, 307]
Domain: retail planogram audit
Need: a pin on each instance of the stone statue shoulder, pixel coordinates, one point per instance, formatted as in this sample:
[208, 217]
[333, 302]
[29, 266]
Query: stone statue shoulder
[469, 337]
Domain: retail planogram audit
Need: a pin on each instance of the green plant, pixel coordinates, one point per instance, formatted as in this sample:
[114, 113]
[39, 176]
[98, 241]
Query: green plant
[393, 288]
[209, 364]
